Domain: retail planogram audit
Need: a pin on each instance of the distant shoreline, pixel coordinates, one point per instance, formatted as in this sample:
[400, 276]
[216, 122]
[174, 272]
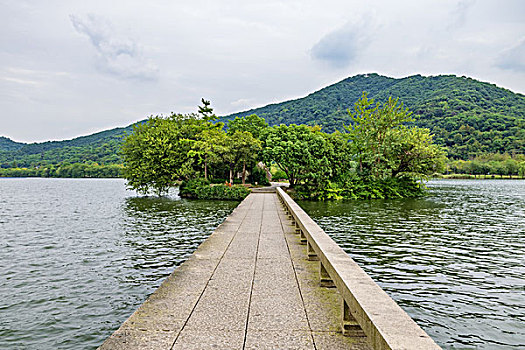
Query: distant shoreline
[477, 177]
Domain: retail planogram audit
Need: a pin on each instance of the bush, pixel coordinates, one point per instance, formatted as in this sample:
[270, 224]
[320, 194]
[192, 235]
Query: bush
[201, 189]
[218, 181]
[258, 176]
[188, 189]
[279, 174]
[365, 188]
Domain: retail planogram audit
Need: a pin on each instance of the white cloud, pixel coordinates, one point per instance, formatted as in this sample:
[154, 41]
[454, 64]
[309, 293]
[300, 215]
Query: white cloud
[75, 74]
[343, 45]
[458, 15]
[116, 55]
[21, 81]
[242, 103]
[514, 58]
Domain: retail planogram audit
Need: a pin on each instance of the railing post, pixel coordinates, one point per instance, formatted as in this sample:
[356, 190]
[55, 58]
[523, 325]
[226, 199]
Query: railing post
[325, 279]
[303, 237]
[312, 256]
[349, 325]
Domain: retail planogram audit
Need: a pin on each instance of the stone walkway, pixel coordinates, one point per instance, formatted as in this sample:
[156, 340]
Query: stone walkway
[248, 286]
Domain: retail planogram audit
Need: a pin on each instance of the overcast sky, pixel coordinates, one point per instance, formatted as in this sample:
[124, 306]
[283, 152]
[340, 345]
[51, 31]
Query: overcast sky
[70, 68]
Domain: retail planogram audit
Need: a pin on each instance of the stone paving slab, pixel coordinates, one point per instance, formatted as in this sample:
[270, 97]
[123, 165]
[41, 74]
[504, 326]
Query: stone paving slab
[334, 341]
[282, 340]
[201, 340]
[248, 286]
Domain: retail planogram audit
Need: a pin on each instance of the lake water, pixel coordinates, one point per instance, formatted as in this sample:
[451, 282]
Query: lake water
[455, 261]
[77, 257]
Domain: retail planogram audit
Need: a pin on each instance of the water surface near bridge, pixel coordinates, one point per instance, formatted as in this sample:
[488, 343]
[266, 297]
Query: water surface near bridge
[78, 256]
[455, 261]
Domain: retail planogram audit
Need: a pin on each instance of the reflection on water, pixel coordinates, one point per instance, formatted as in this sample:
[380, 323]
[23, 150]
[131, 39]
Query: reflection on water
[163, 232]
[455, 261]
[77, 257]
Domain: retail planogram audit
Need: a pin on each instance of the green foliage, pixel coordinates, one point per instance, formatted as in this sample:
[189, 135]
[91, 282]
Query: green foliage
[258, 176]
[378, 157]
[278, 174]
[210, 146]
[99, 148]
[250, 123]
[384, 146]
[242, 149]
[161, 152]
[466, 116]
[206, 111]
[201, 189]
[188, 188]
[489, 164]
[9, 145]
[295, 149]
[77, 170]
[401, 187]
[366, 188]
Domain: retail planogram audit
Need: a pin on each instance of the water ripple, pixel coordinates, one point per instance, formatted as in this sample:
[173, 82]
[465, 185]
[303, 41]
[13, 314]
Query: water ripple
[455, 261]
[77, 257]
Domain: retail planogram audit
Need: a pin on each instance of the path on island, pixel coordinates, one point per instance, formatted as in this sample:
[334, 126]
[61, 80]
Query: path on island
[248, 286]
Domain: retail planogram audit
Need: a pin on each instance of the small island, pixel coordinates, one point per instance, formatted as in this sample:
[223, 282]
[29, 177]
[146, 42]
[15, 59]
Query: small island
[379, 154]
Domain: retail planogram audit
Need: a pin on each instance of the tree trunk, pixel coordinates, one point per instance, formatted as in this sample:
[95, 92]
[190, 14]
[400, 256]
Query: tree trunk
[231, 176]
[205, 169]
[243, 172]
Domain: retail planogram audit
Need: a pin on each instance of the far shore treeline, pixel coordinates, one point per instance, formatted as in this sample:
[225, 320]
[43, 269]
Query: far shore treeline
[481, 126]
[377, 155]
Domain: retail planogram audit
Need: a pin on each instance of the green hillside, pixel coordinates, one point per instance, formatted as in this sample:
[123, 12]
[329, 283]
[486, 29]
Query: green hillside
[9, 145]
[101, 147]
[468, 116]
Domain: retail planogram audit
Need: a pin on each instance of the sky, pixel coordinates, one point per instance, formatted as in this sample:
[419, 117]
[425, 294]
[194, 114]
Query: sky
[71, 68]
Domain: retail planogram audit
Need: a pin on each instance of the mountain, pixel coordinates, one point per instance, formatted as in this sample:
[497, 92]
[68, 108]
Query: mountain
[467, 116]
[100, 147]
[9, 145]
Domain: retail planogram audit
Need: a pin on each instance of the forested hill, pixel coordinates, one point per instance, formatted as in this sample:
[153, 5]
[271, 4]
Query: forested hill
[9, 145]
[468, 116]
[100, 147]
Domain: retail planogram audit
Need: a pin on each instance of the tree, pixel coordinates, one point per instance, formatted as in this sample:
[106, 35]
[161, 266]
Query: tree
[209, 147]
[521, 169]
[296, 149]
[384, 146]
[251, 123]
[161, 151]
[412, 152]
[511, 167]
[243, 148]
[206, 111]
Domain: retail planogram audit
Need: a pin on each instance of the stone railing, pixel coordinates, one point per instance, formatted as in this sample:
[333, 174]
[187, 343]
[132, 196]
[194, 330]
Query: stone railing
[366, 308]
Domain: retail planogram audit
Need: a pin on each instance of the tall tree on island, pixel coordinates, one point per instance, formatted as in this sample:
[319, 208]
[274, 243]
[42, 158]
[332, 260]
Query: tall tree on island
[251, 123]
[296, 149]
[385, 146]
[165, 150]
[243, 148]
